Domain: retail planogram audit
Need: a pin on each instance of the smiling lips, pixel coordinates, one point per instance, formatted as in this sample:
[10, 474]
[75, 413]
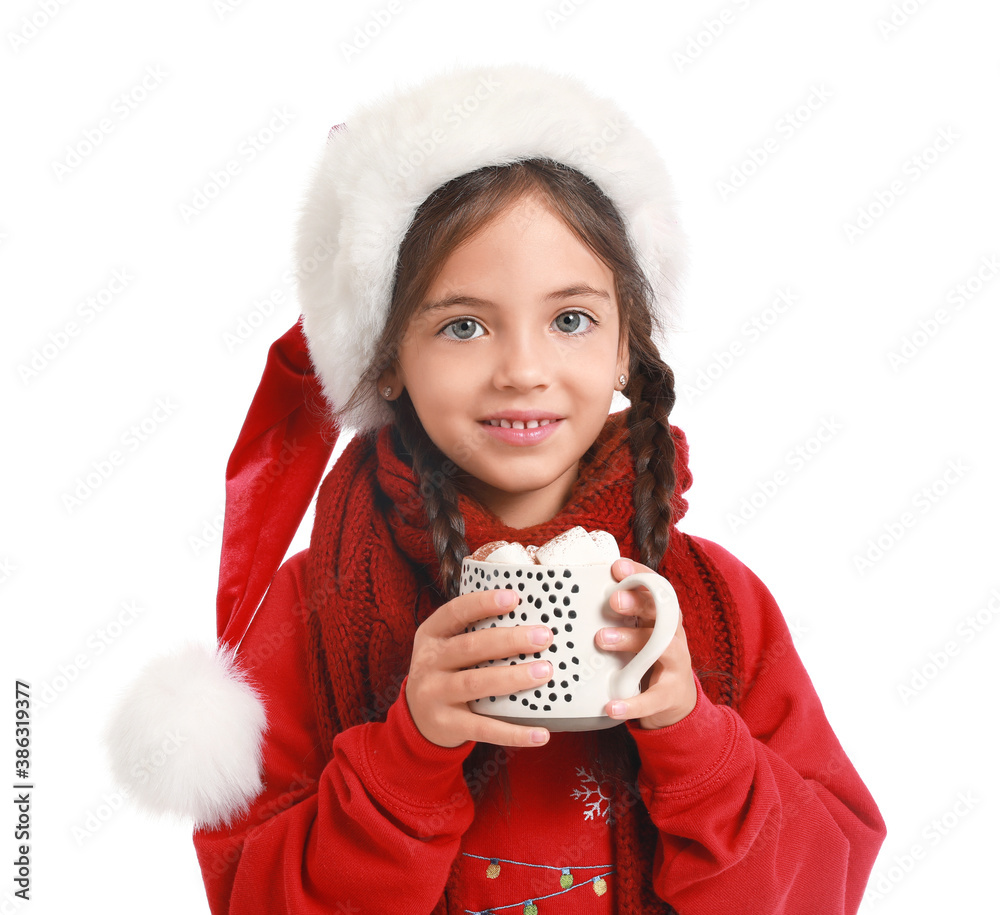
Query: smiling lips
[518, 424]
[521, 430]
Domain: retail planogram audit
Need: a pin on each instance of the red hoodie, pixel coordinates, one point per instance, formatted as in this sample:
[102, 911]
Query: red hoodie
[758, 812]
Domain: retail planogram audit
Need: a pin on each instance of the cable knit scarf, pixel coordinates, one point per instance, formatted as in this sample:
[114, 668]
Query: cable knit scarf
[372, 578]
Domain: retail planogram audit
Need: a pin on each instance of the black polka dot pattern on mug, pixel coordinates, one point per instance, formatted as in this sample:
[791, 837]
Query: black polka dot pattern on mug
[545, 589]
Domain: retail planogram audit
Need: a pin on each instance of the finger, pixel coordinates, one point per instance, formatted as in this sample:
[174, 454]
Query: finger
[622, 568]
[633, 639]
[456, 615]
[617, 639]
[521, 642]
[635, 602]
[503, 734]
[499, 680]
[654, 701]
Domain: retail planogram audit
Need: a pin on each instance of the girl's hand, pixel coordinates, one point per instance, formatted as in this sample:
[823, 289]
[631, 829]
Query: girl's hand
[440, 684]
[669, 693]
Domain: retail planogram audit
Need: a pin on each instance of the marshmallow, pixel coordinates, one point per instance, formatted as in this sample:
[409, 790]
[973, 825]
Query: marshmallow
[574, 547]
[502, 551]
[607, 545]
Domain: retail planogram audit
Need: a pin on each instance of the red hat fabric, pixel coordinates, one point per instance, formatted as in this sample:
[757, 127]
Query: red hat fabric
[273, 472]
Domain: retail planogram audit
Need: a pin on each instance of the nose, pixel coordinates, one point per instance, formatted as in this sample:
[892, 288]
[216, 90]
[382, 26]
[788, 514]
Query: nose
[523, 361]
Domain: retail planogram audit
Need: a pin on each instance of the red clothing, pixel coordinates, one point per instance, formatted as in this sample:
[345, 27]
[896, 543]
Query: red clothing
[758, 812]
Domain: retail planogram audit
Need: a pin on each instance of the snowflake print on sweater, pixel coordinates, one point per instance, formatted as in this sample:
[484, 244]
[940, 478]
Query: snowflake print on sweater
[543, 851]
[597, 803]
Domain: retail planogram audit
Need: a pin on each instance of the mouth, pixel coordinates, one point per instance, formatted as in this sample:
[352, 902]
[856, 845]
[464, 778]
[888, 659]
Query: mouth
[520, 419]
[516, 427]
[520, 424]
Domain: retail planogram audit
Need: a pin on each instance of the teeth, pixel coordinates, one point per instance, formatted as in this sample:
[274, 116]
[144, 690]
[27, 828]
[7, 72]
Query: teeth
[517, 424]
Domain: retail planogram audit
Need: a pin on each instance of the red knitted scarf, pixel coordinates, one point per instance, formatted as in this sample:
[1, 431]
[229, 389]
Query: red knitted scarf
[372, 579]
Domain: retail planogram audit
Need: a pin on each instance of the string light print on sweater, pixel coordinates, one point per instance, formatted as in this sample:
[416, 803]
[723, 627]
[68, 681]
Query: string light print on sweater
[571, 879]
[562, 877]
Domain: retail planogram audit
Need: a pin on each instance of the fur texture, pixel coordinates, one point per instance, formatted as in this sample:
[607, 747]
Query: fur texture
[187, 737]
[386, 160]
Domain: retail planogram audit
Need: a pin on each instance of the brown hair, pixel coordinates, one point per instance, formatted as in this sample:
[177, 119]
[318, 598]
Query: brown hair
[448, 217]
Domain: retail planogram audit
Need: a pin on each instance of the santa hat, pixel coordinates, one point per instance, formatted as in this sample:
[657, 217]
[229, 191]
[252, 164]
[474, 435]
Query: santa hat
[187, 736]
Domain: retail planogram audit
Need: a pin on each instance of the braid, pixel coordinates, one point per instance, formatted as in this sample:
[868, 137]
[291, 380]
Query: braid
[445, 521]
[651, 394]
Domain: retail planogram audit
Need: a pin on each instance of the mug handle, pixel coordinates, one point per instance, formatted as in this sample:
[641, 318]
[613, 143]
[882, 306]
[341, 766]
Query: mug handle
[625, 683]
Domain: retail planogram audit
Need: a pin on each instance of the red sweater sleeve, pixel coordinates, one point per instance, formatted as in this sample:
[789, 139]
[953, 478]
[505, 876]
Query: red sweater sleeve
[374, 830]
[761, 811]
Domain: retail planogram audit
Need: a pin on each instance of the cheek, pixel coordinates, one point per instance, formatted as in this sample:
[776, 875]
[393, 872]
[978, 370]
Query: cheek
[438, 387]
[443, 382]
[597, 371]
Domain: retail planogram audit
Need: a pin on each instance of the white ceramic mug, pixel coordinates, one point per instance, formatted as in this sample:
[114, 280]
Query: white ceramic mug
[574, 602]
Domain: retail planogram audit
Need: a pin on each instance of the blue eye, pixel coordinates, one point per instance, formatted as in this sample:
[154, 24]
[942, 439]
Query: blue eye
[464, 329]
[571, 321]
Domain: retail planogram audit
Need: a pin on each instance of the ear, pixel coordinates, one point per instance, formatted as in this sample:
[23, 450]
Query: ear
[622, 366]
[391, 377]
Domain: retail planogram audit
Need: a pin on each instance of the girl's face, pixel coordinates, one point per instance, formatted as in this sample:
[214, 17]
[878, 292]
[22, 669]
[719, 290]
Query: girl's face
[520, 325]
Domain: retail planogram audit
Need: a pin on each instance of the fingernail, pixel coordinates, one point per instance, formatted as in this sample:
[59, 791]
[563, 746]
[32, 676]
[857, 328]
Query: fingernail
[505, 598]
[541, 670]
[540, 635]
[539, 736]
[618, 709]
[625, 567]
[626, 601]
[611, 636]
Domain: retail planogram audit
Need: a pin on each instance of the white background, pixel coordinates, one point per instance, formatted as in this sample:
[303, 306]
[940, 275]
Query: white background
[851, 102]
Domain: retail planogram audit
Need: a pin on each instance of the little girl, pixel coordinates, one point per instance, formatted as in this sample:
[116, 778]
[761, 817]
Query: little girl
[484, 261]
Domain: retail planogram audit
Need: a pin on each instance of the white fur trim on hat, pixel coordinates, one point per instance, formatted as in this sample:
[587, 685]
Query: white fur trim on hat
[187, 737]
[378, 167]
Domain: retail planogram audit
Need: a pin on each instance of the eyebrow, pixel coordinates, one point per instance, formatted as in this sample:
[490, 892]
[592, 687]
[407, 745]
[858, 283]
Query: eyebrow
[569, 292]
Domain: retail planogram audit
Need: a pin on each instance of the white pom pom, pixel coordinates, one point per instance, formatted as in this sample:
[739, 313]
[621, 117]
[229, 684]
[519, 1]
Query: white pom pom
[187, 736]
